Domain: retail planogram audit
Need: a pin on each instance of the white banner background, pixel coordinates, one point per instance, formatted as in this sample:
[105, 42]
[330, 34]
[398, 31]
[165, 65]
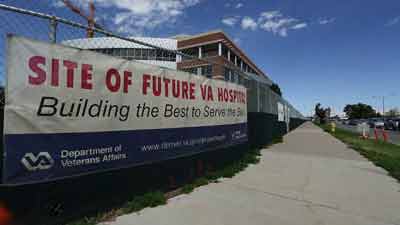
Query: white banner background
[23, 98]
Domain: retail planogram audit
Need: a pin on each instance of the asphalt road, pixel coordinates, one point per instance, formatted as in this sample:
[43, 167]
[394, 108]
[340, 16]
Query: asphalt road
[394, 136]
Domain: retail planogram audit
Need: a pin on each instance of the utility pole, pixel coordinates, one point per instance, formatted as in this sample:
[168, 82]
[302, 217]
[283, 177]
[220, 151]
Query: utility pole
[383, 107]
[383, 104]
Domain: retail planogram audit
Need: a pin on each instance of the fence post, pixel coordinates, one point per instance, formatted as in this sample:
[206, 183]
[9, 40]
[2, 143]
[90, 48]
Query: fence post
[53, 30]
[258, 97]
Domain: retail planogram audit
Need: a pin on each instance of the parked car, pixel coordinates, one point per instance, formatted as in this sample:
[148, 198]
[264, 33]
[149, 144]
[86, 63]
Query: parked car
[396, 124]
[353, 122]
[376, 123]
[391, 124]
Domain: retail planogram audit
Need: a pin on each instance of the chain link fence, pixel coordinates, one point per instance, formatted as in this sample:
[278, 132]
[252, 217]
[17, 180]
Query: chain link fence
[57, 201]
[158, 51]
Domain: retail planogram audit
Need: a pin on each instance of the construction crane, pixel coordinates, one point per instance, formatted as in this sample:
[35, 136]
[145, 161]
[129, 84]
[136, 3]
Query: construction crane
[90, 18]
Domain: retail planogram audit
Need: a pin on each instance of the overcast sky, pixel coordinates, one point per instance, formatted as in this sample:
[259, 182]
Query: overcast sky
[333, 52]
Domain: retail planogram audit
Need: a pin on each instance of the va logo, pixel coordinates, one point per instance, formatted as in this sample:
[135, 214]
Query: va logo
[41, 161]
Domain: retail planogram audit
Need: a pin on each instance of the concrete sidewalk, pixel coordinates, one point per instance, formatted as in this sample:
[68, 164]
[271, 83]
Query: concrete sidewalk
[311, 178]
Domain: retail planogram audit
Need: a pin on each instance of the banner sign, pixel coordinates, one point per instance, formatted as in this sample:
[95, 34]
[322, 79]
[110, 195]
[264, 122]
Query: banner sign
[70, 112]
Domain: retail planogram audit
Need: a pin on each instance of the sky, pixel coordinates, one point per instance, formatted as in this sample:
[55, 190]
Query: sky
[334, 52]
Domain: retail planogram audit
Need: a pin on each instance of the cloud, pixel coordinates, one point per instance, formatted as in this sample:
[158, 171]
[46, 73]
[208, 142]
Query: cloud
[279, 27]
[237, 40]
[57, 4]
[271, 21]
[131, 16]
[239, 5]
[270, 15]
[230, 21]
[299, 26]
[248, 23]
[324, 21]
[278, 24]
[232, 5]
[393, 21]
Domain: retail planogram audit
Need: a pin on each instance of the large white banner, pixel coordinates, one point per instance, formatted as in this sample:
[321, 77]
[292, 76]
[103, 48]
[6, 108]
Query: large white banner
[71, 111]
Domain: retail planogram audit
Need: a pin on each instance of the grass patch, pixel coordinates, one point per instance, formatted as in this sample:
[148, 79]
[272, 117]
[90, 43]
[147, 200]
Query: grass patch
[277, 140]
[187, 188]
[149, 199]
[152, 199]
[382, 154]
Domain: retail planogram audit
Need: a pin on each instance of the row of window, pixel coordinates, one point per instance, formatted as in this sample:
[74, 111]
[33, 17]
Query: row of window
[229, 74]
[212, 50]
[235, 77]
[239, 62]
[200, 70]
[139, 53]
[160, 55]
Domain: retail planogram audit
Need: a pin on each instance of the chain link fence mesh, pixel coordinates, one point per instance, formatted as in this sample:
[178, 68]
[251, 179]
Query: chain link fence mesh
[159, 51]
[65, 195]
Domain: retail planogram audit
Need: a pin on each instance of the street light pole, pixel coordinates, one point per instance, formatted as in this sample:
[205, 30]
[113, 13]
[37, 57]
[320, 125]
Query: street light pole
[383, 107]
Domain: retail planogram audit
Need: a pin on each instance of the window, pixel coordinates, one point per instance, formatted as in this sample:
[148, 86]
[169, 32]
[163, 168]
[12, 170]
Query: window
[173, 57]
[138, 53]
[145, 54]
[227, 74]
[168, 57]
[159, 54]
[194, 52]
[209, 50]
[206, 71]
[116, 52]
[124, 52]
[225, 51]
[235, 78]
[131, 52]
[152, 54]
[233, 58]
[192, 70]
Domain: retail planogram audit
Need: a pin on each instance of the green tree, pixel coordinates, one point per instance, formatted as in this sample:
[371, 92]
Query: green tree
[322, 113]
[393, 112]
[359, 111]
[275, 88]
